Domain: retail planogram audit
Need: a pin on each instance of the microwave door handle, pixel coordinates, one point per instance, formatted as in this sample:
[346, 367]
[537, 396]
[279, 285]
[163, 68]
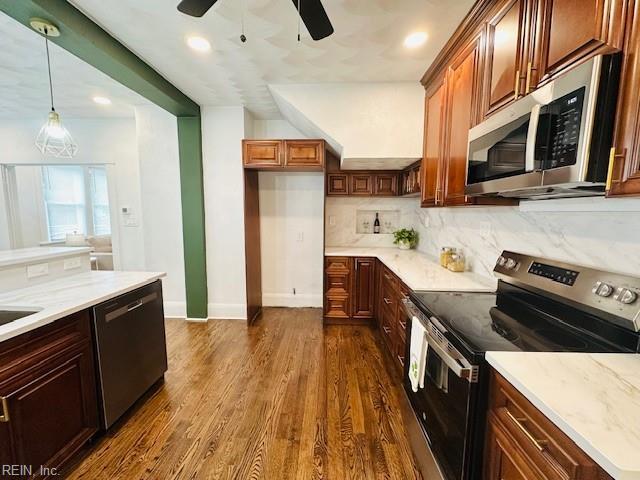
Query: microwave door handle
[532, 133]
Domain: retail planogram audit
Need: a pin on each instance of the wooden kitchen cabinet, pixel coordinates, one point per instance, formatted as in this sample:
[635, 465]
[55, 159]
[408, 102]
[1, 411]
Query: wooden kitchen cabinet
[522, 443]
[337, 184]
[385, 184]
[294, 155]
[625, 166]
[364, 280]
[505, 63]
[361, 184]
[48, 392]
[570, 31]
[262, 154]
[433, 148]
[337, 288]
[462, 97]
[305, 154]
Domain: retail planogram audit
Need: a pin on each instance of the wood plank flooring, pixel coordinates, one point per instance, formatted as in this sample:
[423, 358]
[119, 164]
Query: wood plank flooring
[282, 399]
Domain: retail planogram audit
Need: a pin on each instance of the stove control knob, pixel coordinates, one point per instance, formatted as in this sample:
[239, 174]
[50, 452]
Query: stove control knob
[626, 296]
[602, 289]
[511, 263]
[501, 261]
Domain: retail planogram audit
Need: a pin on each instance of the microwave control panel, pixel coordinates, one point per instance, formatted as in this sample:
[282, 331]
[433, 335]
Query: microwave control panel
[563, 118]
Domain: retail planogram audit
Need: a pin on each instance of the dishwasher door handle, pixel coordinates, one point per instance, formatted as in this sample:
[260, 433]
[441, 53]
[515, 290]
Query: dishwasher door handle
[118, 312]
[134, 305]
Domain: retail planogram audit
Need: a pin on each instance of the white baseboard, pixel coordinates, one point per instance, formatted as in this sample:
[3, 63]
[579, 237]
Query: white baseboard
[291, 300]
[227, 311]
[175, 309]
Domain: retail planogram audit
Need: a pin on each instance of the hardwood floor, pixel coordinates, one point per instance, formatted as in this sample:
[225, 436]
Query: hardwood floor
[283, 399]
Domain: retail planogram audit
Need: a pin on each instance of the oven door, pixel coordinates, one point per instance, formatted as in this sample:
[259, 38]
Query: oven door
[445, 405]
[502, 154]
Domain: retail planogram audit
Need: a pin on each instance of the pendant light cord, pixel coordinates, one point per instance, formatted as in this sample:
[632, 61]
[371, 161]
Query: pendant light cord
[46, 43]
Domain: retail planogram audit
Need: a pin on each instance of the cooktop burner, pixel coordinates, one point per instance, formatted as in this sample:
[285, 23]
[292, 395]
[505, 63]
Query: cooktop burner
[482, 322]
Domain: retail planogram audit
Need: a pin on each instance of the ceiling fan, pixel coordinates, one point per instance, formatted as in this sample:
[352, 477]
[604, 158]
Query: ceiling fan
[311, 12]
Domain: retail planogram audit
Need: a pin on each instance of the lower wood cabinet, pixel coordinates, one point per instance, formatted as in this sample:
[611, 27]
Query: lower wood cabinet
[364, 280]
[523, 444]
[47, 395]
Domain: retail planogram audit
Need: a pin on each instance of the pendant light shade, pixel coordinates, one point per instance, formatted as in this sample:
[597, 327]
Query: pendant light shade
[54, 139]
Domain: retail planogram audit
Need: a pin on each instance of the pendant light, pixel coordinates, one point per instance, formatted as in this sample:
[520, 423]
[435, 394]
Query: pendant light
[54, 139]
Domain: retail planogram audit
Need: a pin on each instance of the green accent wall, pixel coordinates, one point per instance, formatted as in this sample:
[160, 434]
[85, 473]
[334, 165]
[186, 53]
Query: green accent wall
[86, 40]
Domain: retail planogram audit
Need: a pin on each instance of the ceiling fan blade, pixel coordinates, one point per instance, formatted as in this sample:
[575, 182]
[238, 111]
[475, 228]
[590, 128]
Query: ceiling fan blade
[195, 8]
[315, 18]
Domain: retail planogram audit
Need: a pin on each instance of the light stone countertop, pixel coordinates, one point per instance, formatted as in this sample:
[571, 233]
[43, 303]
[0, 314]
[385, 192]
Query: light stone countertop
[594, 398]
[417, 270]
[38, 254]
[68, 295]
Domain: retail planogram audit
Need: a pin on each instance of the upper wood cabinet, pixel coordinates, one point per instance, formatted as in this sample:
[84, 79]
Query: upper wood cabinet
[385, 184]
[568, 31]
[504, 55]
[433, 148]
[462, 97]
[262, 153]
[337, 184]
[304, 153]
[625, 166]
[292, 155]
[361, 184]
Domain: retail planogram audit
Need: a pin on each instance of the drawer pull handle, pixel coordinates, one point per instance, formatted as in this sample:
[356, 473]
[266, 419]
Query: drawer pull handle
[387, 330]
[387, 301]
[403, 325]
[539, 444]
[401, 360]
[4, 418]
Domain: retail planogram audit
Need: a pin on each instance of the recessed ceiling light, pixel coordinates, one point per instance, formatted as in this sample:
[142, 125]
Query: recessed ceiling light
[415, 39]
[102, 100]
[199, 44]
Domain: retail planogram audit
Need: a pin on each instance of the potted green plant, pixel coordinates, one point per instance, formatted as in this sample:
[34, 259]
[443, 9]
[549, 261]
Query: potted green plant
[405, 238]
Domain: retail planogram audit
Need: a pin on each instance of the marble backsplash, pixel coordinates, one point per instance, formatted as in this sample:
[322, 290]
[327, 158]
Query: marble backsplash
[609, 240]
[606, 240]
[342, 213]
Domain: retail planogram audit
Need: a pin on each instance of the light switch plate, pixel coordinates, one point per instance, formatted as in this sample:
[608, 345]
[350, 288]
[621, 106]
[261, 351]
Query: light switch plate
[37, 270]
[71, 263]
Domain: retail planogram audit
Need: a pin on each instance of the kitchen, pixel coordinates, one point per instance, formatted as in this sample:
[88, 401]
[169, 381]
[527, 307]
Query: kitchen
[497, 338]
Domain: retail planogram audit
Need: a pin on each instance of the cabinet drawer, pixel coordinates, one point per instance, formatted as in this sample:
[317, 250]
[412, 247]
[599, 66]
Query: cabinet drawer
[337, 306]
[337, 264]
[536, 438]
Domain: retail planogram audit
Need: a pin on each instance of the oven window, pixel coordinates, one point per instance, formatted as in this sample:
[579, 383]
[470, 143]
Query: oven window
[500, 153]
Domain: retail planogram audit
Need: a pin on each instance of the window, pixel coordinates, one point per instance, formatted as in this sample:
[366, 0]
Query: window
[76, 201]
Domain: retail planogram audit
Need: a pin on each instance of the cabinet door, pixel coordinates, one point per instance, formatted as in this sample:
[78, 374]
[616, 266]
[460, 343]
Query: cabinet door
[337, 184]
[337, 304]
[573, 30]
[361, 184]
[262, 153]
[50, 413]
[433, 148]
[463, 85]
[504, 70]
[626, 160]
[304, 154]
[386, 185]
[363, 288]
[502, 461]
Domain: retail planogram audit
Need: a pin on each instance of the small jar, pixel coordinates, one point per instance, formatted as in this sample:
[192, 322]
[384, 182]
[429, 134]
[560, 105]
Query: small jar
[457, 262]
[445, 256]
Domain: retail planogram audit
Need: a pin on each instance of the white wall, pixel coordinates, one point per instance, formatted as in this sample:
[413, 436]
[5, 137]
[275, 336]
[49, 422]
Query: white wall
[363, 122]
[267, 129]
[291, 238]
[161, 219]
[223, 129]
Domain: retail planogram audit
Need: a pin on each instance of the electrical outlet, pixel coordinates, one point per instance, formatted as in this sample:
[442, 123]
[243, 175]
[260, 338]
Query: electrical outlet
[37, 270]
[332, 220]
[71, 263]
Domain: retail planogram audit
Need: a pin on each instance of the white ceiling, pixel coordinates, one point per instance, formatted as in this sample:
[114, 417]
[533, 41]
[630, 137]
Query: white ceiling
[366, 46]
[24, 86]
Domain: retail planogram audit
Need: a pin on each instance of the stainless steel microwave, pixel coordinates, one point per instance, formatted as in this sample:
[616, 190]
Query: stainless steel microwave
[555, 142]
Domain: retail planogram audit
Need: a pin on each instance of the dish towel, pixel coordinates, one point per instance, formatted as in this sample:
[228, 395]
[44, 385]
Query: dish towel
[418, 354]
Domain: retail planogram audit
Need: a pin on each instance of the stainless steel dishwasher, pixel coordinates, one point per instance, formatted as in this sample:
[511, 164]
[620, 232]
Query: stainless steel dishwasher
[131, 349]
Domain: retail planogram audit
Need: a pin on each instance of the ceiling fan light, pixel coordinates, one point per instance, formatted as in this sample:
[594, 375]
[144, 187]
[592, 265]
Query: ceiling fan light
[54, 139]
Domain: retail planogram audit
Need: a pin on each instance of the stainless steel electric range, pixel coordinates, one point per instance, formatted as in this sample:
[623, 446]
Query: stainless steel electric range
[540, 305]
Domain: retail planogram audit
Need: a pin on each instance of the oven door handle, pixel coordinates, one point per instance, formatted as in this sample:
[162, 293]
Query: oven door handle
[532, 133]
[468, 373]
